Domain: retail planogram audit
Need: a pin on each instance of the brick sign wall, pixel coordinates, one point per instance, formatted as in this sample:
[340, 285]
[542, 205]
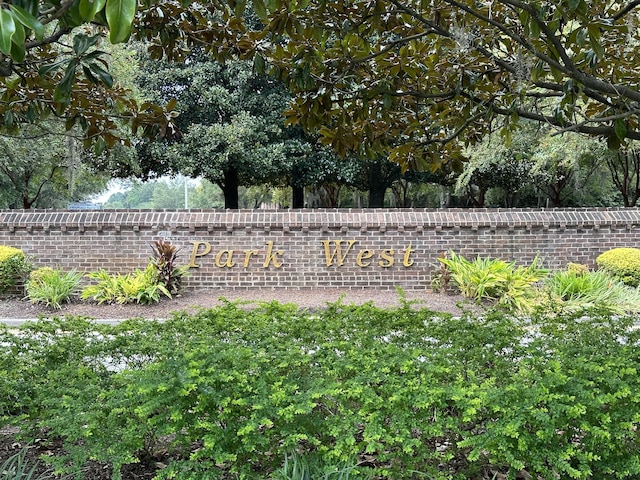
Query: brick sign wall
[381, 248]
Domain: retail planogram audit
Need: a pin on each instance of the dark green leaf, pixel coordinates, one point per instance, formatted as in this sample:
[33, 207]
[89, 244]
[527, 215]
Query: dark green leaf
[29, 6]
[573, 4]
[620, 128]
[19, 36]
[81, 43]
[534, 28]
[260, 8]
[613, 142]
[17, 52]
[31, 113]
[46, 69]
[100, 146]
[96, 54]
[558, 76]
[89, 74]
[581, 37]
[597, 47]
[62, 93]
[89, 8]
[258, 63]
[28, 20]
[7, 29]
[104, 76]
[594, 31]
[240, 7]
[120, 14]
[73, 18]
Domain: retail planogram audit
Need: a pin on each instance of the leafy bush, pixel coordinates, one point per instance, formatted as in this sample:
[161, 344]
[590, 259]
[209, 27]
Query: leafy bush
[496, 280]
[578, 290]
[14, 267]
[141, 286]
[231, 392]
[164, 259]
[52, 287]
[622, 263]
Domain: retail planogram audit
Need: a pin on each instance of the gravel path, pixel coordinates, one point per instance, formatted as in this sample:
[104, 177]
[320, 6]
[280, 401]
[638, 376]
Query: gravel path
[15, 308]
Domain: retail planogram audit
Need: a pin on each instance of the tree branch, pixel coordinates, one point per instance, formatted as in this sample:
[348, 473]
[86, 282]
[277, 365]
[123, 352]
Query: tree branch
[389, 46]
[57, 12]
[51, 39]
[625, 10]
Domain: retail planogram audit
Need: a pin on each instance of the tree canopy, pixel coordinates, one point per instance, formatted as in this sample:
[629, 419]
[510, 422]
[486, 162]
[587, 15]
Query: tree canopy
[44, 168]
[51, 64]
[417, 79]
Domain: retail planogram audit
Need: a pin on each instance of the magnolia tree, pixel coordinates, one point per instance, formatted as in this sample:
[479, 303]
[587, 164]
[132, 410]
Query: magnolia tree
[415, 79]
[52, 64]
[420, 78]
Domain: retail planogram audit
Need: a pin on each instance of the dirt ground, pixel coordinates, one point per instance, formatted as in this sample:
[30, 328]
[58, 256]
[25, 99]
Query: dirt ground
[17, 308]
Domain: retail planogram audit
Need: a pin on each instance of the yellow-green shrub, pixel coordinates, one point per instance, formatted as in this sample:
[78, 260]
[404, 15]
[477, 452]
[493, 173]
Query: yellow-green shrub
[52, 287]
[623, 264]
[8, 252]
[13, 267]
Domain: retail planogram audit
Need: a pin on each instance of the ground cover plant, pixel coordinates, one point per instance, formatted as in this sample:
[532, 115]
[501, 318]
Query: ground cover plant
[17, 467]
[521, 290]
[511, 286]
[140, 286]
[401, 393]
[53, 287]
[574, 289]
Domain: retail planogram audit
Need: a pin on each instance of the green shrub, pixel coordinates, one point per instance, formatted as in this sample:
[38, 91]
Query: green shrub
[52, 287]
[622, 263]
[141, 286]
[14, 267]
[576, 290]
[496, 280]
[409, 393]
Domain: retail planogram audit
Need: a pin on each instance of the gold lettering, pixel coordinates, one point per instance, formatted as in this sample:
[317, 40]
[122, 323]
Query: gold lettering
[247, 257]
[337, 253]
[272, 257]
[363, 255]
[194, 252]
[229, 259]
[386, 258]
[407, 261]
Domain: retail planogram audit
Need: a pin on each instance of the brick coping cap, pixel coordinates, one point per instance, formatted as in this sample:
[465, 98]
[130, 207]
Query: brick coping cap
[355, 218]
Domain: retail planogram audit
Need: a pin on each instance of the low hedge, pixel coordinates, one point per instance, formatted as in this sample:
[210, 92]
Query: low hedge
[13, 267]
[622, 263]
[404, 393]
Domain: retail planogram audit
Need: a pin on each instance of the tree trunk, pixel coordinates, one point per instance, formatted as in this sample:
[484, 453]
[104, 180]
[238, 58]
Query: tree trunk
[377, 185]
[230, 189]
[298, 197]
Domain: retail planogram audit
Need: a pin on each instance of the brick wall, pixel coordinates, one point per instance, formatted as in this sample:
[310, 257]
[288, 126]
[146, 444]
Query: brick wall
[381, 248]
